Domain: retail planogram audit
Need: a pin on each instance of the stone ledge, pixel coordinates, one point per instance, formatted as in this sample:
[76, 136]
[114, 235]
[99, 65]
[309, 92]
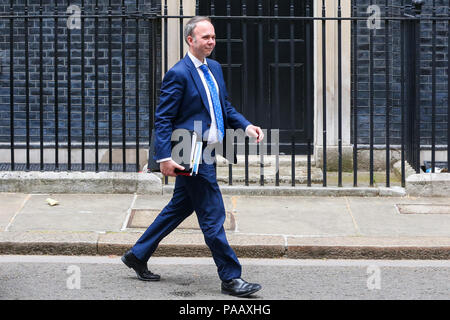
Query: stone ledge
[368, 248]
[306, 191]
[428, 185]
[80, 182]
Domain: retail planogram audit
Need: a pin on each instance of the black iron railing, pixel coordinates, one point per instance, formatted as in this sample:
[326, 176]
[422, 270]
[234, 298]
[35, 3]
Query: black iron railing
[267, 52]
[92, 90]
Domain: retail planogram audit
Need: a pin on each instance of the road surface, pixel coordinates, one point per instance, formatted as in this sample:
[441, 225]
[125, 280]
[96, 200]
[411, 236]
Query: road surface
[67, 277]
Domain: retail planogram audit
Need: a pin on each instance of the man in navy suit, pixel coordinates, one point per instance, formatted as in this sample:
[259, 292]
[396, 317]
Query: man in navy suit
[194, 91]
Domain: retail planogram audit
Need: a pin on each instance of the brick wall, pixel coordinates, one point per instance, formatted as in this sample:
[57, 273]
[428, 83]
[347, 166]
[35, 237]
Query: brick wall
[145, 107]
[48, 88]
[395, 60]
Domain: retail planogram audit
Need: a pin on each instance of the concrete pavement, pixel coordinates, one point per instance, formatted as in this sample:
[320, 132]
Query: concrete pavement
[304, 227]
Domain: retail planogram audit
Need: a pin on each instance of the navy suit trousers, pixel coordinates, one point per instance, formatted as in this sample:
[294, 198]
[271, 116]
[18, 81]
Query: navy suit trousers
[201, 194]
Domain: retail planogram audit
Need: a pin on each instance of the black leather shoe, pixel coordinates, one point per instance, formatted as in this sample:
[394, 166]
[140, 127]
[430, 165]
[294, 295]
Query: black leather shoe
[239, 288]
[140, 267]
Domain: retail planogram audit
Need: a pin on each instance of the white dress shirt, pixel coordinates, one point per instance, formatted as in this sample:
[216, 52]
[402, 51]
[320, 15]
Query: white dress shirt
[213, 134]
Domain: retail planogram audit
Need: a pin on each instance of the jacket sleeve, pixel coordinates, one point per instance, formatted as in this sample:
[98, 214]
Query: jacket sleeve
[172, 88]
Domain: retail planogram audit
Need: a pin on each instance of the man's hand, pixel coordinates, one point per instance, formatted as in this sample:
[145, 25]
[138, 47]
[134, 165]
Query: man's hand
[168, 168]
[256, 132]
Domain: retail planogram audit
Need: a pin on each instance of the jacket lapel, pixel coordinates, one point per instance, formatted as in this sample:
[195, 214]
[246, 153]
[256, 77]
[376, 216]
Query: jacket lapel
[197, 81]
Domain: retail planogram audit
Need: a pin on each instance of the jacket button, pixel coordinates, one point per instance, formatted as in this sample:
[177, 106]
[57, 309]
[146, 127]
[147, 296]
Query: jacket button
[209, 124]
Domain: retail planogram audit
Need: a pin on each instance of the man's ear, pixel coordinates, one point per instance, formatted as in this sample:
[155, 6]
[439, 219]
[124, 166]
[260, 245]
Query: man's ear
[190, 40]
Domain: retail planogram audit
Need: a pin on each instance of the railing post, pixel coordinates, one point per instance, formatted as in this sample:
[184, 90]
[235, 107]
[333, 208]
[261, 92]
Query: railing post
[324, 95]
[339, 95]
[137, 106]
[448, 90]
[412, 59]
[56, 92]
[388, 97]
[110, 84]
[27, 89]
[41, 90]
[355, 95]
[433, 91]
[124, 77]
[402, 95]
[417, 9]
[96, 88]
[309, 90]
[11, 83]
[83, 90]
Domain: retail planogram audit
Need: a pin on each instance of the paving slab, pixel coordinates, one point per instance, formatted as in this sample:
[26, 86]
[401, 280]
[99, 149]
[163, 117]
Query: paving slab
[10, 204]
[151, 201]
[142, 218]
[146, 208]
[160, 201]
[381, 217]
[75, 212]
[293, 216]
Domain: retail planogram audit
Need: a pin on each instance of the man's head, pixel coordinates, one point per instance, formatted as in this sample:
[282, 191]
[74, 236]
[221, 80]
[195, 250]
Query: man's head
[199, 34]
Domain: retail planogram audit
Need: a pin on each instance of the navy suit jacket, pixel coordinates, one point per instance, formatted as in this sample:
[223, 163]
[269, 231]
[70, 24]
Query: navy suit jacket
[183, 100]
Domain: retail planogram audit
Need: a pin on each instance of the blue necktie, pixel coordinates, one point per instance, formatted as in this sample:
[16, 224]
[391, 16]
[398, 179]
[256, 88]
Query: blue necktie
[215, 101]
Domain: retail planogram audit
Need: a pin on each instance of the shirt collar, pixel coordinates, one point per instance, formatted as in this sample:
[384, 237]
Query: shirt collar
[197, 63]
